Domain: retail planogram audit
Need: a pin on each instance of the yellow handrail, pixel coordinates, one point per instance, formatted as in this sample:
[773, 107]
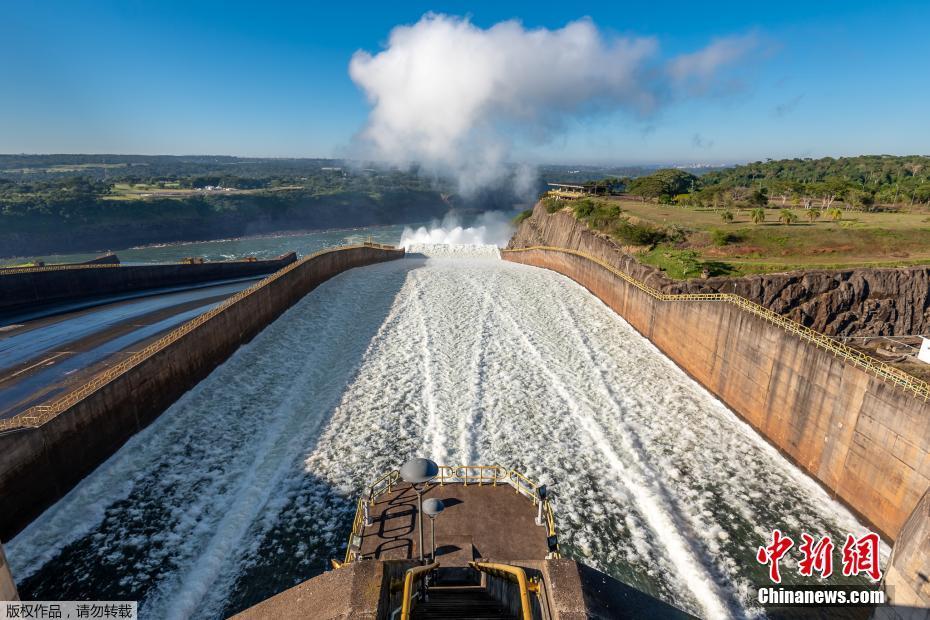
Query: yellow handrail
[36, 269]
[39, 414]
[516, 575]
[885, 372]
[416, 573]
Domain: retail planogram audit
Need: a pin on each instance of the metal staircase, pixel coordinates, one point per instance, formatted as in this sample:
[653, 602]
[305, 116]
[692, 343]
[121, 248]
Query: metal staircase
[473, 602]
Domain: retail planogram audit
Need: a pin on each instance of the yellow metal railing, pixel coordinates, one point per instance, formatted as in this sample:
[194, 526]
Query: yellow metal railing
[885, 372]
[39, 414]
[11, 270]
[516, 575]
[449, 474]
[471, 474]
[415, 574]
[37, 269]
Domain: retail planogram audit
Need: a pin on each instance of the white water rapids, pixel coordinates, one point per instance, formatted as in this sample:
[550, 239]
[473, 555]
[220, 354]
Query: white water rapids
[247, 484]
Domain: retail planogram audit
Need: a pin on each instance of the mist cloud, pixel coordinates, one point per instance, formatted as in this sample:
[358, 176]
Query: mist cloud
[455, 98]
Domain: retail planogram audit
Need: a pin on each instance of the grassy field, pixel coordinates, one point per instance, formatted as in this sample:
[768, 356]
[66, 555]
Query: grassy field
[700, 239]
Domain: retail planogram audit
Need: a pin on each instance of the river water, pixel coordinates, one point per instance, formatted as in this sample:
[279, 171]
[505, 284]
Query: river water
[247, 484]
[261, 247]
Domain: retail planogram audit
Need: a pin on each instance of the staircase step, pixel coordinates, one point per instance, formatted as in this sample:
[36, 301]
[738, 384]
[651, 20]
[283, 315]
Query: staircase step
[461, 602]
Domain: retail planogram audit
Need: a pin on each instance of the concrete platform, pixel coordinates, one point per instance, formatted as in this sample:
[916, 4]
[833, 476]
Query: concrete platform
[478, 522]
[359, 590]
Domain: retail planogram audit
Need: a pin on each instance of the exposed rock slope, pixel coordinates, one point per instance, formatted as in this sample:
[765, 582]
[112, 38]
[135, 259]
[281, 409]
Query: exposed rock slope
[843, 302]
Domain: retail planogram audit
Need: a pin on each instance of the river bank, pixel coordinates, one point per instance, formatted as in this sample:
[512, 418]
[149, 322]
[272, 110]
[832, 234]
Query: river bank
[261, 247]
[102, 225]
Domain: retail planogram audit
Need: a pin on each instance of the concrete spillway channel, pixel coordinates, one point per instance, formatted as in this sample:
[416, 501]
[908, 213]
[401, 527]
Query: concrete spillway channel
[246, 485]
[41, 356]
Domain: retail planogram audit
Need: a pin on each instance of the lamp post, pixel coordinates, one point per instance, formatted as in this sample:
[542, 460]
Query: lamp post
[419, 471]
[431, 508]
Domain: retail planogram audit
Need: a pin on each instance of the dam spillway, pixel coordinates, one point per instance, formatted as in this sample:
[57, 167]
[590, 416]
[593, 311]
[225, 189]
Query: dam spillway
[246, 485]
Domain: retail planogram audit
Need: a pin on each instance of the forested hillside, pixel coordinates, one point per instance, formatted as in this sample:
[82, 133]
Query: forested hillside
[88, 203]
[865, 182]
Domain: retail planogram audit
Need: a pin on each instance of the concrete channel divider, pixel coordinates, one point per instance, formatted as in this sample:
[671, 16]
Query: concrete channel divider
[47, 449]
[28, 288]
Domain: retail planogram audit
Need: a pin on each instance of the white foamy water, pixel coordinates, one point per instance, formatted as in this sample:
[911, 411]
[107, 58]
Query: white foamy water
[489, 228]
[247, 484]
[452, 250]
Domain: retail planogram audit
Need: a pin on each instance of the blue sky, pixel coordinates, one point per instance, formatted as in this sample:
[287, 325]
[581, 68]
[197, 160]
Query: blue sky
[271, 79]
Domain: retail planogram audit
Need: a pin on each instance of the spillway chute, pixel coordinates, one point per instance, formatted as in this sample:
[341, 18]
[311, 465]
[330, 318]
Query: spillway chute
[453, 250]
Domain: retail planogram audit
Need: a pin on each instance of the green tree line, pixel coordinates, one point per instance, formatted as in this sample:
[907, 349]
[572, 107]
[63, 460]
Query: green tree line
[867, 182]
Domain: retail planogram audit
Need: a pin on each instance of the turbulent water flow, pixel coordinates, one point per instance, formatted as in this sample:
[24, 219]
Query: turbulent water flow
[246, 485]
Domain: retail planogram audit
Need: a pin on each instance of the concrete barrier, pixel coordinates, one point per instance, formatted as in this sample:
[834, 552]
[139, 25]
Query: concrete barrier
[907, 576]
[34, 287]
[7, 585]
[861, 430]
[46, 450]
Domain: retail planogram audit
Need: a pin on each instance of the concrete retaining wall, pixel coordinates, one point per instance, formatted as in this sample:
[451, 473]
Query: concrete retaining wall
[39, 465]
[7, 585]
[907, 576]
[866, 441]
[40, 286]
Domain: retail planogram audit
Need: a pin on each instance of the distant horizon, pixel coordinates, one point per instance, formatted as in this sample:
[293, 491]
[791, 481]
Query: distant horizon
[679, 163]
[451, 83]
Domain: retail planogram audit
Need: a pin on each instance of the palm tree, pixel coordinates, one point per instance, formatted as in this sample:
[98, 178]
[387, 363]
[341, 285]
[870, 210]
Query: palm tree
[727, 216]
[835, 214]
[787, 216]
[758, 215]
[812, 214]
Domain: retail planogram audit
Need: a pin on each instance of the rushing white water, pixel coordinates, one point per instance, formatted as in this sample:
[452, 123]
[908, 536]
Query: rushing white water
[246, 485]
[490, 228]
[452, 250]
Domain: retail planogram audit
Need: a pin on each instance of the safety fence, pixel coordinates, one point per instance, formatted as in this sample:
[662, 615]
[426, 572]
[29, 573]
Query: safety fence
[465, 475]
[41, 269]
[39, 414]
[515, 575]
[4, 271]
[412, 578]
[885, 372]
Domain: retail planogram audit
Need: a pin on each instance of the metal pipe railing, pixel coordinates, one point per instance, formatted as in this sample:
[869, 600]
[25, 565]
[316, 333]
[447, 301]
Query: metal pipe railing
[36, 269]
[39, 414]
[415, 574]
[516, 575]
[450, 474]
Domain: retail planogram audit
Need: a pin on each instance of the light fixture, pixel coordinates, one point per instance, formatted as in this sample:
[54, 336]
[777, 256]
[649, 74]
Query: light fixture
[419, 471]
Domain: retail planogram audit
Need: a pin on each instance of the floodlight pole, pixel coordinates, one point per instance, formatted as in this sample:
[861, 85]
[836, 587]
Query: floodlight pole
[418, 472]
[420, 517]
[432, 527]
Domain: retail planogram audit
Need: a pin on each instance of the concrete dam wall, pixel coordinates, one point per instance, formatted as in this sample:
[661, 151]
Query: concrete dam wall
[862, 432]
[907, 570]
[32, 287]
[46, 450]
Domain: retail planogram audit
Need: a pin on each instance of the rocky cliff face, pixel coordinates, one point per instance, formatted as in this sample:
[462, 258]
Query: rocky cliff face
[847, 302]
